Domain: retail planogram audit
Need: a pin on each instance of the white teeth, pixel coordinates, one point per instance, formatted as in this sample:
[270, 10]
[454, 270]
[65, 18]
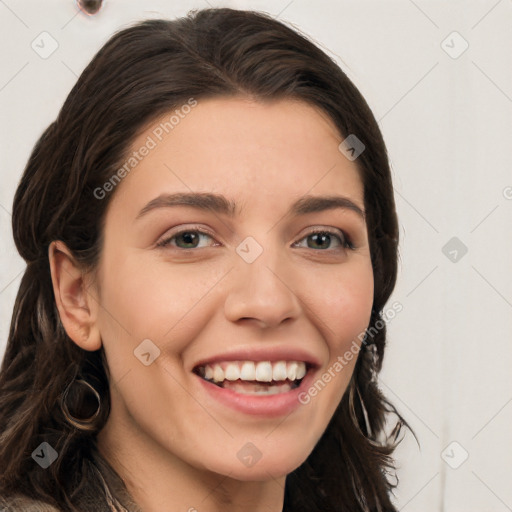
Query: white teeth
[232, 371]
[279, 371]
[258, 389]
[264, 371]
[301, 371]
[248, 371]
[208, 372]
[291, 370]
[261, 371]
[218, 373]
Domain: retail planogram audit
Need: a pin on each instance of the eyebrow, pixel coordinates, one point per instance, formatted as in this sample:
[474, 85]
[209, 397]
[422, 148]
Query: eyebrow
[220, 204]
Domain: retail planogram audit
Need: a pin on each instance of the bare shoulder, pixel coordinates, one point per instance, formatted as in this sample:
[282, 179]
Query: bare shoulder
[21, 503]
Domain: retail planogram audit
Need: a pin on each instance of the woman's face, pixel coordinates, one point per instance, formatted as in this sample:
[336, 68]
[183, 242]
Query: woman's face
[216, 265]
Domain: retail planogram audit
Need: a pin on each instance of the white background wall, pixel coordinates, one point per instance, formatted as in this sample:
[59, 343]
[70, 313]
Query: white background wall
[448, 125]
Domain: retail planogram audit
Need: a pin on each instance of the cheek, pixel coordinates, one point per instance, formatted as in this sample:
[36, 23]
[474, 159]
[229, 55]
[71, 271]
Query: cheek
[156, 301]
[344, 304]
[340, 310]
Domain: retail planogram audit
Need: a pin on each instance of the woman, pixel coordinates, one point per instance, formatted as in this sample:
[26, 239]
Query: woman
[211, 238]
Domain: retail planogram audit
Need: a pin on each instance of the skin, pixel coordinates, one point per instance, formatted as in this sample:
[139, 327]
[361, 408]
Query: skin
[176, 447]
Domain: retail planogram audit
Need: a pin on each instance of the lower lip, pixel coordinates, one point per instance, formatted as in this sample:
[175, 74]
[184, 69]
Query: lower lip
[269, 406]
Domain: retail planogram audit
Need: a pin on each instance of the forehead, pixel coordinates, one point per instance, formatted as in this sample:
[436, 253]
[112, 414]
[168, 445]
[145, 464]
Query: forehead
[258, 152]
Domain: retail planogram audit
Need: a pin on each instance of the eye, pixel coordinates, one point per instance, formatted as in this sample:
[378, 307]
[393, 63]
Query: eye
[186, 239]
[324, 238]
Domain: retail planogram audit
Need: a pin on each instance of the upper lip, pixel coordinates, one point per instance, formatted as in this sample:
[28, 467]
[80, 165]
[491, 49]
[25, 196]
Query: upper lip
[262, 354]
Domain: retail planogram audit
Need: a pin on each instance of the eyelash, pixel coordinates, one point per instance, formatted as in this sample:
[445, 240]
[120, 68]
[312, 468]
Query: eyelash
[344, 239]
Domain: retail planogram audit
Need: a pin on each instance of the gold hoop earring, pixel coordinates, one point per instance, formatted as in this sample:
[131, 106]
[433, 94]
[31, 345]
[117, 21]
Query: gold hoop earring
[86, 424]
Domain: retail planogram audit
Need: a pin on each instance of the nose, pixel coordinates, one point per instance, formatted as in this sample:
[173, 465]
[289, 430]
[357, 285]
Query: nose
[262, 293]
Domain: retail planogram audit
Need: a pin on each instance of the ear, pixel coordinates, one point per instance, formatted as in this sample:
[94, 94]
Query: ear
[76, 305]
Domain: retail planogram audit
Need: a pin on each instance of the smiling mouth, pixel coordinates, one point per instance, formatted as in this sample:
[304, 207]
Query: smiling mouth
[254, 377]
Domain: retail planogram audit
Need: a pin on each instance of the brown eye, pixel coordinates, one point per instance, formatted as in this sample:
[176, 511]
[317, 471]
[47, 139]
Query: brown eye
[324, 239]
[319, 241]
[188, 239]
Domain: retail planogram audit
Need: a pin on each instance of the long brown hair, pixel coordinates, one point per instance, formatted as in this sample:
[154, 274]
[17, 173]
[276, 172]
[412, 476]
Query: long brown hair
[141, 73]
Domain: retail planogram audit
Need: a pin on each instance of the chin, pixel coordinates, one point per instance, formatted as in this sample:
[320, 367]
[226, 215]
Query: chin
[266, 468]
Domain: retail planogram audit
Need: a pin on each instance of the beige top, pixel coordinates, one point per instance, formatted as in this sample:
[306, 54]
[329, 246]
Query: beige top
[118, 498]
